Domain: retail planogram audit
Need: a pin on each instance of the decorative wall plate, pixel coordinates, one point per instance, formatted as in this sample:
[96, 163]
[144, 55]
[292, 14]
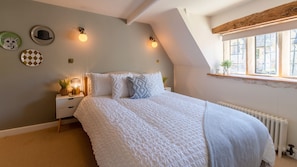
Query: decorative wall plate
[10, 40]
[42, 35]
[31, 57]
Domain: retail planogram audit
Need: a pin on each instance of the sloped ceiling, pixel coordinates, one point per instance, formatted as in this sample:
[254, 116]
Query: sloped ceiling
[146, 11]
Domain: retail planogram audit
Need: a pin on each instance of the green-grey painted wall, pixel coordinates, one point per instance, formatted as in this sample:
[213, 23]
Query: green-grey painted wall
[28, 93]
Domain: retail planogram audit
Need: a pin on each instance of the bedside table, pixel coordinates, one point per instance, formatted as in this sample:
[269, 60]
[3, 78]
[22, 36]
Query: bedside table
[66, 106]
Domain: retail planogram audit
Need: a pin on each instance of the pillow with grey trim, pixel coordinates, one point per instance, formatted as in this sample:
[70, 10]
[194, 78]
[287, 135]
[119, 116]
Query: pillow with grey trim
[138, 87]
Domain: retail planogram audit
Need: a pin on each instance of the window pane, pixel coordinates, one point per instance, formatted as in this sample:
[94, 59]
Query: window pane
[266, 54]
[238, 55]
[293, 52]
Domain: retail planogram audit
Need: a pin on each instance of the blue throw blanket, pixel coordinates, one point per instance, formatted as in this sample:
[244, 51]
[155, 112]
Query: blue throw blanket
[234, 139]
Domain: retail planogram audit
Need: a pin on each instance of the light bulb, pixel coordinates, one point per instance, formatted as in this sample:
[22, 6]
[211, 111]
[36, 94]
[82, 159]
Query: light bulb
[154, 44]
[83, 37]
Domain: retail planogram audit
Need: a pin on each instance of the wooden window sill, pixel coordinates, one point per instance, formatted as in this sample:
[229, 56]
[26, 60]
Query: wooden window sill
[264, 80]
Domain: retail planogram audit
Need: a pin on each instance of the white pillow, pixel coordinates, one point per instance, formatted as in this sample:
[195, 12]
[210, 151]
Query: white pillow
[119, 85]
[100, 84]
[155, 82]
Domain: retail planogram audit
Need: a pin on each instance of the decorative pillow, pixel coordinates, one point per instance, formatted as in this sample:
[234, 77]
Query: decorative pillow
[100, 84]
[119, 85]
[138, 87]
[155, 83]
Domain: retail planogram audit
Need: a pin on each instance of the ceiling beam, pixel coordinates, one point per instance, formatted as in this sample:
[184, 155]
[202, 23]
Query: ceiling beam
[140, 10]
[280, 14]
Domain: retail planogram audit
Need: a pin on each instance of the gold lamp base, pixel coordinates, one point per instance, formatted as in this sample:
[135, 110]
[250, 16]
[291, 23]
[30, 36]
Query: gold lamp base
[75, 91]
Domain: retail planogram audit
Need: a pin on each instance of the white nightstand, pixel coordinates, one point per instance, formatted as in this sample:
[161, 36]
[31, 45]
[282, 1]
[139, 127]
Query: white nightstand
[168, 89]
[66, 106]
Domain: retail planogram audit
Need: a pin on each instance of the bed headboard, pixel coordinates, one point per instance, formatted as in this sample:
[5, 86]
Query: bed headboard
[87, 80]
[86, 86]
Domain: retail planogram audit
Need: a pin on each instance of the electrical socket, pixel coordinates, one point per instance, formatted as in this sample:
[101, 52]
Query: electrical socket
[294, 156]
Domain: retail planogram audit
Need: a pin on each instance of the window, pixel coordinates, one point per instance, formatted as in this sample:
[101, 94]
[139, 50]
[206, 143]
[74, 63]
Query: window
[266, 54]
[293, 52]
[238, 55]
[273, 54]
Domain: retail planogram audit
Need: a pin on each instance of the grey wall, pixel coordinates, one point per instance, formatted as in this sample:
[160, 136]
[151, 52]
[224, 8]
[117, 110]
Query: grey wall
[28, 93]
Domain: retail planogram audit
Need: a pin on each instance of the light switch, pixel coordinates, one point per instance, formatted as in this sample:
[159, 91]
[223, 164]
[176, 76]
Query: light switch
[70, 60]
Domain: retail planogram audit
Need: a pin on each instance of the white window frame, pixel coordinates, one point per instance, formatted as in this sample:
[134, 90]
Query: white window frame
[283, 57]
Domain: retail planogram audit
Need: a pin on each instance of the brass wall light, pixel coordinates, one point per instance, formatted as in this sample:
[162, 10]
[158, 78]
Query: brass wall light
[82, 36]
[154, 42]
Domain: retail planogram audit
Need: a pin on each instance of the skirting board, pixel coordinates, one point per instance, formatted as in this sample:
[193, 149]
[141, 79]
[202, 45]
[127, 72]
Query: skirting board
[32, 128]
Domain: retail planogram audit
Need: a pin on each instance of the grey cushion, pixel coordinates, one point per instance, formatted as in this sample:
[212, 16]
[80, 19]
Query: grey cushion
[138, 87]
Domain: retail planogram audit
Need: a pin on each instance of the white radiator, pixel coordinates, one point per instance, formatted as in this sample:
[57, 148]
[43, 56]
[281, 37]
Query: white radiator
[277, 127]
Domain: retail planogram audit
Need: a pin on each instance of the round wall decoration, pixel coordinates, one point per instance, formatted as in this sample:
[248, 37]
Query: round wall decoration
[31, 57]
[42, 35]
[10, 40]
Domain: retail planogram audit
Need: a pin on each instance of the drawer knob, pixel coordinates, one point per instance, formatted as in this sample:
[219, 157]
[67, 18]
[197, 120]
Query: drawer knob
[70, 98]
[71, 107]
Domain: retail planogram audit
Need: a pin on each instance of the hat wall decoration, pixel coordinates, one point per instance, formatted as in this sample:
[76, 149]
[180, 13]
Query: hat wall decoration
[42, 35]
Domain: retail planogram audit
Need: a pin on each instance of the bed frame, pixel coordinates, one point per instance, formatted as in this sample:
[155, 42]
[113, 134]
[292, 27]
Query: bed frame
[86, 85]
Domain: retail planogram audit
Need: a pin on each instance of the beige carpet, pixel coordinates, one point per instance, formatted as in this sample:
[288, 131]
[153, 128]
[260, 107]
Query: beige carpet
[48, 148]
[69, 148]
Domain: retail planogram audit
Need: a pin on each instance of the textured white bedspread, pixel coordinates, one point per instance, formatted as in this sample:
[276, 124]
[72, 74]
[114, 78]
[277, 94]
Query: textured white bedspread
[164, 130]
[157, 131]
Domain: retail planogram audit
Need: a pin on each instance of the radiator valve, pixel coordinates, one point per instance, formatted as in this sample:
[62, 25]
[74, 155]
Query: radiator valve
[290, 150]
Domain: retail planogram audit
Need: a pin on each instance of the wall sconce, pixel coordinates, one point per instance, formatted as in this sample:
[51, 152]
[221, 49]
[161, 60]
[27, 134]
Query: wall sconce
[154, 42]
[82, 36]
[75, 84]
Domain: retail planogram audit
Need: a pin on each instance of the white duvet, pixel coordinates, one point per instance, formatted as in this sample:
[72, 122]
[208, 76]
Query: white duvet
[164, 130]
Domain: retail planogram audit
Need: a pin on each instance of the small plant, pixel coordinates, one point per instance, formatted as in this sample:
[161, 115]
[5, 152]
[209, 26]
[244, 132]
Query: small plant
[226, 64]
[164, 79]
[64, 83]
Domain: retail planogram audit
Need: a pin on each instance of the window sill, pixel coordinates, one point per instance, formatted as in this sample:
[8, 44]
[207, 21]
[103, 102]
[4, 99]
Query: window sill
[265, 80]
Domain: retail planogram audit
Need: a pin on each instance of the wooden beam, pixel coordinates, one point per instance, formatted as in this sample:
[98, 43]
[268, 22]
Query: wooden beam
[280, 14]
[140, 10]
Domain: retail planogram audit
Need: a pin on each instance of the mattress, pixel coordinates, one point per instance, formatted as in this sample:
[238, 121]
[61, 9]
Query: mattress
[163, 130]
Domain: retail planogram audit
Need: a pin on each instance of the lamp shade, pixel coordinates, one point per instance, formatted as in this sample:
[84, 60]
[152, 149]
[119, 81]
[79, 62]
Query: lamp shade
[83, 37]
[154, 44]
[75, 82]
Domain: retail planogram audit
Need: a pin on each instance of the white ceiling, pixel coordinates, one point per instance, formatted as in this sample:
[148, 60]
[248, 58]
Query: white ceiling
[146, 10]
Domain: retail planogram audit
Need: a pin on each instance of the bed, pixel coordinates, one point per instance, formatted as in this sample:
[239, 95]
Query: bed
[132, 121]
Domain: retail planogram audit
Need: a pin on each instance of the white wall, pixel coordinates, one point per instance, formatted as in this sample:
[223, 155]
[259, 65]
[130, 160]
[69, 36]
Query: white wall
[210, 45]
[276, 99]
[174, 31]
[177, 40]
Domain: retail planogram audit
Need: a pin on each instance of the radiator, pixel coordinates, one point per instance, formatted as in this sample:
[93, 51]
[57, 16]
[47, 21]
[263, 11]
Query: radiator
[277, 126]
